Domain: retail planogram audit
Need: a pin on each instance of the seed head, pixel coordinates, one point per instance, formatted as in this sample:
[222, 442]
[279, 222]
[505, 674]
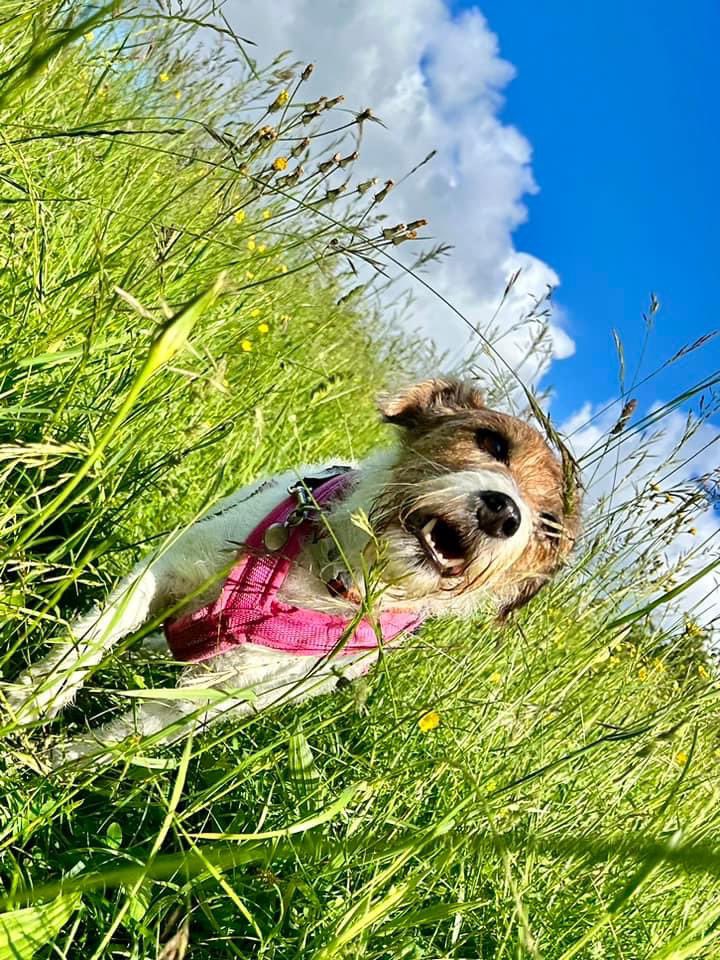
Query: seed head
[307, 72]
[365, 185]
[381, 194]
[300, 147]
[279, 102]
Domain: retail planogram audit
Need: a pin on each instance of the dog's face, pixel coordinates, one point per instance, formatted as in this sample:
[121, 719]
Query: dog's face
[475, 504]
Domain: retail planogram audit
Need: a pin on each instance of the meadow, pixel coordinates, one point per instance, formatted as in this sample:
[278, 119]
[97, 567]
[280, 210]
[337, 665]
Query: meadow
[188, 270]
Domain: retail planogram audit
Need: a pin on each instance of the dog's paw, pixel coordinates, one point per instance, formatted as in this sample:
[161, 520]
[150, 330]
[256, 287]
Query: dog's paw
[33, 698]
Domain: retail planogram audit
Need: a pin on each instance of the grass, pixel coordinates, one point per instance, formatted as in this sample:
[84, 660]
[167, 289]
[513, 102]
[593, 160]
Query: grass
[565, 805]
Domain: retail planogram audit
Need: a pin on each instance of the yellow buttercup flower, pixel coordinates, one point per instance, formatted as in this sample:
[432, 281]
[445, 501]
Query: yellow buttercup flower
[262, 248]
[703, 673]
[266, 214]
[495, 677]
[280, 163]
[429, 721]
[246, 345]
[239, 216]
[642, 673]
[681, 757]
[263, 328]
[251, 244]
[164, 77]
[255, 312]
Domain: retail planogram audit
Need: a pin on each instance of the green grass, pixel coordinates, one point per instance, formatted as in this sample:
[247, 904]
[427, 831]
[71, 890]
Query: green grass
[567, 803]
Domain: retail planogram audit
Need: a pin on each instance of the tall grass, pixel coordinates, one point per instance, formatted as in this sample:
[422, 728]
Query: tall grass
[566, 805]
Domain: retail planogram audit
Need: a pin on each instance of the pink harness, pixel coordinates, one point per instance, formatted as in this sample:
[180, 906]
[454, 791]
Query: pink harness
[248, 609]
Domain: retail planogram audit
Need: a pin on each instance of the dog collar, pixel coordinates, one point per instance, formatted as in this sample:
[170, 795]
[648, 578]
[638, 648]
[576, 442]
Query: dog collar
[248, 609]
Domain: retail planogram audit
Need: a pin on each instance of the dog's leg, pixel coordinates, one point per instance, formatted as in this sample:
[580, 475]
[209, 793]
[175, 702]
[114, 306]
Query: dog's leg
[271, 681]
[48, 685]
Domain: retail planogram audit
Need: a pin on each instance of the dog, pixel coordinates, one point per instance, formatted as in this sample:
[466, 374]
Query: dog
[293, 585]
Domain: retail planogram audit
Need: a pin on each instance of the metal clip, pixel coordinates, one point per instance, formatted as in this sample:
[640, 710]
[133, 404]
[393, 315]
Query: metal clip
[278, 534]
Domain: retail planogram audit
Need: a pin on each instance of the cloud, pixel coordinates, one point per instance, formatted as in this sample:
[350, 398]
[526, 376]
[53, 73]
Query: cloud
[655, 475]
[437, 82]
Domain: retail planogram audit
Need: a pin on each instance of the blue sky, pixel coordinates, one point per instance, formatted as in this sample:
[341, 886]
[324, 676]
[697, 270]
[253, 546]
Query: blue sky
[620, 103]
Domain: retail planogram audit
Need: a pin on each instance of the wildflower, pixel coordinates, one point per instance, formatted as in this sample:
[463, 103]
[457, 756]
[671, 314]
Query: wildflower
[283, 268]
[429, 721]
[249, 275]
[681, 757]
[280, 100]
[255, 312]
[280, 163]
[246, 346]
[263, 328]
[669, 498]
[659, 665]
[495, 677]
[239, 216]
[614, 659]
[703, 673]
[90, 36]
[642, 673]
[693, 531]
[655, 487]
[164, 77]
[251, 244]
[266, 214]
[262, 248]
[178, 95]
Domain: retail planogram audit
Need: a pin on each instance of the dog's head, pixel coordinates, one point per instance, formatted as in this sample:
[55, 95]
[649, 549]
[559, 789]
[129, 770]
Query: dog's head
[476, 502]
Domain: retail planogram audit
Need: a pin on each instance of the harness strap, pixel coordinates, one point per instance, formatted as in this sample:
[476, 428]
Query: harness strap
[248, 609]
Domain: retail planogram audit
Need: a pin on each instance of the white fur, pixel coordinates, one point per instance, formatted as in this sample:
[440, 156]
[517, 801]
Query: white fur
[194, 562]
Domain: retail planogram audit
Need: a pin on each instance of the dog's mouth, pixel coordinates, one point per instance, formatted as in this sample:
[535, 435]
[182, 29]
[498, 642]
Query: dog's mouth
[441, 542]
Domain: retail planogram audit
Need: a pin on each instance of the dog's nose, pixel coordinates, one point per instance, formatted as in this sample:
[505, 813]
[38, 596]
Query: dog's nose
[497, 514]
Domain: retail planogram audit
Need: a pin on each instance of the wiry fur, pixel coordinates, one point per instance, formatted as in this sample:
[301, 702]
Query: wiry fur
[436, 470]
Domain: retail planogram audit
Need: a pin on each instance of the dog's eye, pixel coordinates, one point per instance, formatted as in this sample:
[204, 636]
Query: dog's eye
[551, 526]
[494, 443]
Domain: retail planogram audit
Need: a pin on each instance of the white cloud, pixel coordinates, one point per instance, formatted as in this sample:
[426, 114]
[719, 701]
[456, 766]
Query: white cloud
[671, 456]
[437, 83]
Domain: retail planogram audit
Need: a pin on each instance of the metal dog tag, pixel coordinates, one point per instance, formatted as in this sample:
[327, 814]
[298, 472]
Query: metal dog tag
[275, 537]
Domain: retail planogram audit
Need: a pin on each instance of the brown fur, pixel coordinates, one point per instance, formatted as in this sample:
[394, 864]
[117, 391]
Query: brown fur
[441, 419]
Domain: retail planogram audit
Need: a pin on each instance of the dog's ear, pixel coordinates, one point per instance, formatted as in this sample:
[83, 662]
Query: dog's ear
[524, 592]
[421, 402]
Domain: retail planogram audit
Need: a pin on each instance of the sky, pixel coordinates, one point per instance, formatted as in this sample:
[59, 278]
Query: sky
[620, 103]
[575, 141]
